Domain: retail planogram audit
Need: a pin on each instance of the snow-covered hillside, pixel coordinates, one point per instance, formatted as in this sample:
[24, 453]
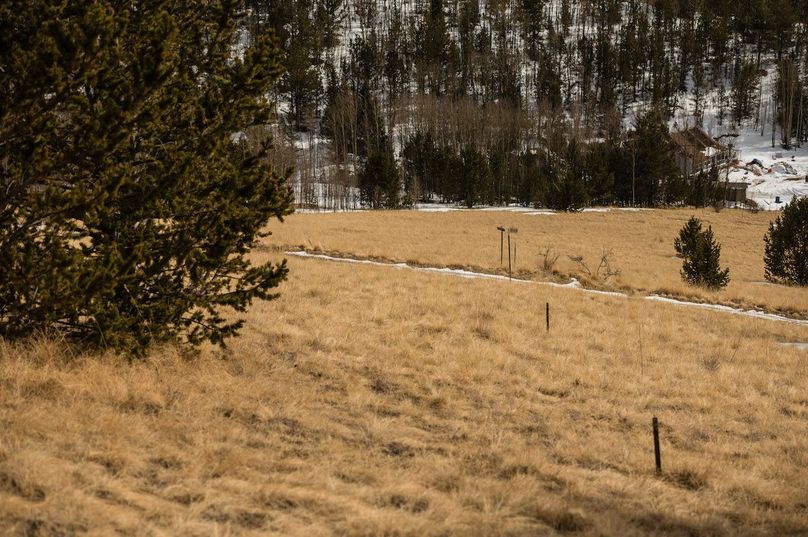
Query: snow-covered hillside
[488, 103]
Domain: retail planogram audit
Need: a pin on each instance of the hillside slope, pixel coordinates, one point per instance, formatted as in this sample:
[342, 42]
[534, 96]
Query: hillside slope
[368, 401]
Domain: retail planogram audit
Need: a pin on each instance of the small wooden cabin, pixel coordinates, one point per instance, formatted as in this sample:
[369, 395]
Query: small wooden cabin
[696, 151]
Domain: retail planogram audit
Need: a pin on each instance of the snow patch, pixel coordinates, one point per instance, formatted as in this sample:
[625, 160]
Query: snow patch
[573, 284]
[757, 314]
[798, 346]
[453, 272]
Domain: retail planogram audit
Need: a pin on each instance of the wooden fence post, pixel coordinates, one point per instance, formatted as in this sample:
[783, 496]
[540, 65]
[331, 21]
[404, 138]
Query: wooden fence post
[657, 455]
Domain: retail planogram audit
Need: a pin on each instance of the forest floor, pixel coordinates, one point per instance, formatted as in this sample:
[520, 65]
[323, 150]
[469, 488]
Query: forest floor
[371, 401]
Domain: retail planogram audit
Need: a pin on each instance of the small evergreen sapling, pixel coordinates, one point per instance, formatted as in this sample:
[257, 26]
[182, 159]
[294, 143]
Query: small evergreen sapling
[786, 255]
[701, 255]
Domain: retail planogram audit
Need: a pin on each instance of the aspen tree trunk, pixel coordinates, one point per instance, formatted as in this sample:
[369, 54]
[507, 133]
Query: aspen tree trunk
[774, 115]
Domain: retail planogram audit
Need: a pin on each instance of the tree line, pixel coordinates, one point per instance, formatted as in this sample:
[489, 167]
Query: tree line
[527, 101]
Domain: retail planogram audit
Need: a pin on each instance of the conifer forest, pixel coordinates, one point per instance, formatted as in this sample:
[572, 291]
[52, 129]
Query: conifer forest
[559, 104]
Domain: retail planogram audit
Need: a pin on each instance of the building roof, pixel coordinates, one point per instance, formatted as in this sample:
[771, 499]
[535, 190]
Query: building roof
[696, 145]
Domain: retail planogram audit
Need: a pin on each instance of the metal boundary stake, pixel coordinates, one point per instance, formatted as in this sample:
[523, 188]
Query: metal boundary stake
[547, 315]
[511, 258]
[657, 455]
[501, 244]
[509, 254]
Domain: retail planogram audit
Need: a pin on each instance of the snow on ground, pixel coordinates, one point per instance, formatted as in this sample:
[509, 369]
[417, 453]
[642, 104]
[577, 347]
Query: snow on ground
[573, 284]
[325, 197]
[726, 309]
[798, 346]
[527, 211]
[511, 208]
[782, 175]
[447, 207]
[436, 207]
[353, 205]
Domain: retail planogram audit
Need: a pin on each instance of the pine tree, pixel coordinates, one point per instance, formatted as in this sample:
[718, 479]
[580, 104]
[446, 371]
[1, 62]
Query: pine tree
[567, 191]
[744, 86]
[532, 19]
[379, 178]
[652, 161]
[701, 256]
[128, 203]
[472, 171]
[433, 51]
[302, 28]
[786, 255]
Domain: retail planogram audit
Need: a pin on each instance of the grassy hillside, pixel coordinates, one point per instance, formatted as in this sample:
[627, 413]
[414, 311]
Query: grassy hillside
[374, 401]
[642, 243]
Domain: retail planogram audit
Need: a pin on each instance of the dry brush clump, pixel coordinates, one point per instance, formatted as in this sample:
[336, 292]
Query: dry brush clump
[387, 402]
[602, 273]
[549, 258]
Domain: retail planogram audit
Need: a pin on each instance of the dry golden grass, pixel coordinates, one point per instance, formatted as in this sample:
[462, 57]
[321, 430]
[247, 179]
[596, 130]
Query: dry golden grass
[642, 243]
[374, 401]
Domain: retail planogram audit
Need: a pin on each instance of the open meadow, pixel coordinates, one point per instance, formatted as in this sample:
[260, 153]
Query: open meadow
[370, 401]
[641, 242]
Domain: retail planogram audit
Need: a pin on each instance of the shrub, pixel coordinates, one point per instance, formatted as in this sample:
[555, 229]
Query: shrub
[786, 255]
[128, 205]
[549, 259]
[701, 255]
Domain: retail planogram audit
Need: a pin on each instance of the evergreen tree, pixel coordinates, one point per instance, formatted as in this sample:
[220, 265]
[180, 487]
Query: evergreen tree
[395, 64]
[364, 76]
[705, 189]
[532, 20]
[548, 81]
[433, 52]
[417, 157]
[473, 174]
[303, 29]
[744, 86]
[301, 81]
[786, 256]
[567, 190]
[651, 169]
[531, 183]
[701, 256]
[685, 243]
[379, 178]
[329, 17]
[600, 176]
[468, 19]
[127, 204]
